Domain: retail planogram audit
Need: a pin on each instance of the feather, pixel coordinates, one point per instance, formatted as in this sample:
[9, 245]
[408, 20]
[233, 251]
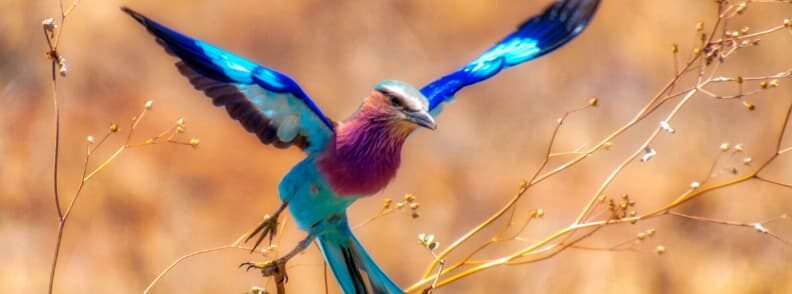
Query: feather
[265, 102]
[347, 259]
[561, 22]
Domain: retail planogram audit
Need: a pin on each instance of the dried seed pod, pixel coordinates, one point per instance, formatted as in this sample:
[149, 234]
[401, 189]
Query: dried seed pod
[763, 84]
[750, 106]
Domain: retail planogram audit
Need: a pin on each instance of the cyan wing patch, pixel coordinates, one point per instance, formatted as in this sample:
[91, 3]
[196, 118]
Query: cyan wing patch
[267, 103]
[561, 22]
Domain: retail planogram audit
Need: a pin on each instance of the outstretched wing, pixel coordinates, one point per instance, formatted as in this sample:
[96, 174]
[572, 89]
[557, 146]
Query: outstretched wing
[561, 22]
[267, 103]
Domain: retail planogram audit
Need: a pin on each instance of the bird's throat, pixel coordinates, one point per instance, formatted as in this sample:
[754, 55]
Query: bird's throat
[363, 156]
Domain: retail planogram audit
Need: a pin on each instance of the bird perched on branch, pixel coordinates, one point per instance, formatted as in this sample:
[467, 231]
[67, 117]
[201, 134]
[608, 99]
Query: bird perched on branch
[357, 157]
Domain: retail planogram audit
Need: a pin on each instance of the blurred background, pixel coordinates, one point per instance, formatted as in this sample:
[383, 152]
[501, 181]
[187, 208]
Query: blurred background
[157, 203]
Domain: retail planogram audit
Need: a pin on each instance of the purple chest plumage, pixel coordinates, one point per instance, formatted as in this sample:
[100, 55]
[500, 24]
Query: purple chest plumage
[362, 157]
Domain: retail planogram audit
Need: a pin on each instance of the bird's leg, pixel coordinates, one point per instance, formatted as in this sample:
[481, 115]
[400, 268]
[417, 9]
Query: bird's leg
[277, 267]
[269, 227]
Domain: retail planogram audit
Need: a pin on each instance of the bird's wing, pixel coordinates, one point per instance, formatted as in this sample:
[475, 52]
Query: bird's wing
[266, 102]
[560, 22]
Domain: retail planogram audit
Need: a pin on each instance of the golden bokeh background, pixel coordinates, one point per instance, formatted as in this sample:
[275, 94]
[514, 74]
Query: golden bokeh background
[157, 203]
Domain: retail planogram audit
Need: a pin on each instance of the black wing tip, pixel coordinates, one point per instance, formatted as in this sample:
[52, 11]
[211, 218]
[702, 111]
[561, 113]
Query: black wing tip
[134, 14]
[572, 12]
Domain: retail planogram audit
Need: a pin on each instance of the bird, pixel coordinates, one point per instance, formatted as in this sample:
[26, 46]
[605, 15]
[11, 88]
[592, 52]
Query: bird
[358, 156]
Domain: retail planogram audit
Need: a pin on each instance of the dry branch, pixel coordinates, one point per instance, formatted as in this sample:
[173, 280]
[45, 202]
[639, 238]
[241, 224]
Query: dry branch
[716, 47]
[53, 33]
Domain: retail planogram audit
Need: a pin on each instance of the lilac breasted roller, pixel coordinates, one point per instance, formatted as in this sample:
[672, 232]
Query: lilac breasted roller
[358, 156]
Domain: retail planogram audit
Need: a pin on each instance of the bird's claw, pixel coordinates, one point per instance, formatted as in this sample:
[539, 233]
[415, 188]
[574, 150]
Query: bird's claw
[249, 265]
[273, 268]
[267, 228]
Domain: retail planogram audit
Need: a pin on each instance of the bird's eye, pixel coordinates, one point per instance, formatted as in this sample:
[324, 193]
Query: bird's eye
[395, 101]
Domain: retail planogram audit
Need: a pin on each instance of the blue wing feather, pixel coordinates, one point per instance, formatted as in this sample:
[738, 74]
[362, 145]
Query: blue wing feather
[265, 101]
[561, 22]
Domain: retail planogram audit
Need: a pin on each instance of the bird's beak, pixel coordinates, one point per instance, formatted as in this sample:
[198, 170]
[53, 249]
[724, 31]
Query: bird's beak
[422, 118]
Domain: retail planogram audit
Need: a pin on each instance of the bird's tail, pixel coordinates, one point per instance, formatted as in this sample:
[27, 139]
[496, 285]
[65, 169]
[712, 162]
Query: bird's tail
[349, 261]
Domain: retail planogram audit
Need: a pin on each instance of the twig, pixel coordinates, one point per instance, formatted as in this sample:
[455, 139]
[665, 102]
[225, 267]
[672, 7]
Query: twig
[273, 250]
[409, 204]
[234, 245]
[757, 226]
[52, 35]
[524, 186]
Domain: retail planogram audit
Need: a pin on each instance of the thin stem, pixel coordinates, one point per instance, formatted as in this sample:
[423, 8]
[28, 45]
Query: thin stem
[104, 164]
[56, 150]
[755, 226]
[324, 276]
[523, 188]
[54, 58]
[612, 176]
[749, 36]
[232, 245]
[173, 264]
[382, 212]
[55, 256]
[774, 182]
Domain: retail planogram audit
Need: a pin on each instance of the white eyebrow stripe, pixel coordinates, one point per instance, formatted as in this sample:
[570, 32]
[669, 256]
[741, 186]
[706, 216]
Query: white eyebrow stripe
[399, 91]
[412, 101]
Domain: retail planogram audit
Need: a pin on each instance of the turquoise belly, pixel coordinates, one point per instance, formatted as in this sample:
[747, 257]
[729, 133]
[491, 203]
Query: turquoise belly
[309, 196]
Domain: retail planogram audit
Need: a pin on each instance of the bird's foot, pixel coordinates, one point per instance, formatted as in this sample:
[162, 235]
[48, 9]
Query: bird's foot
[267, 228]
[273, 268]
[277, 268]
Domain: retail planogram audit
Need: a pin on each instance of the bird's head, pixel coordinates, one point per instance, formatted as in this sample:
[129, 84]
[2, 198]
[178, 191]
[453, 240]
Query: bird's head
[400, 104]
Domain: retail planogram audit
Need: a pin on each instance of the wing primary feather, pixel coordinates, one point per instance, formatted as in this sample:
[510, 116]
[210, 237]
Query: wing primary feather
[558, 24]
[261, 99]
